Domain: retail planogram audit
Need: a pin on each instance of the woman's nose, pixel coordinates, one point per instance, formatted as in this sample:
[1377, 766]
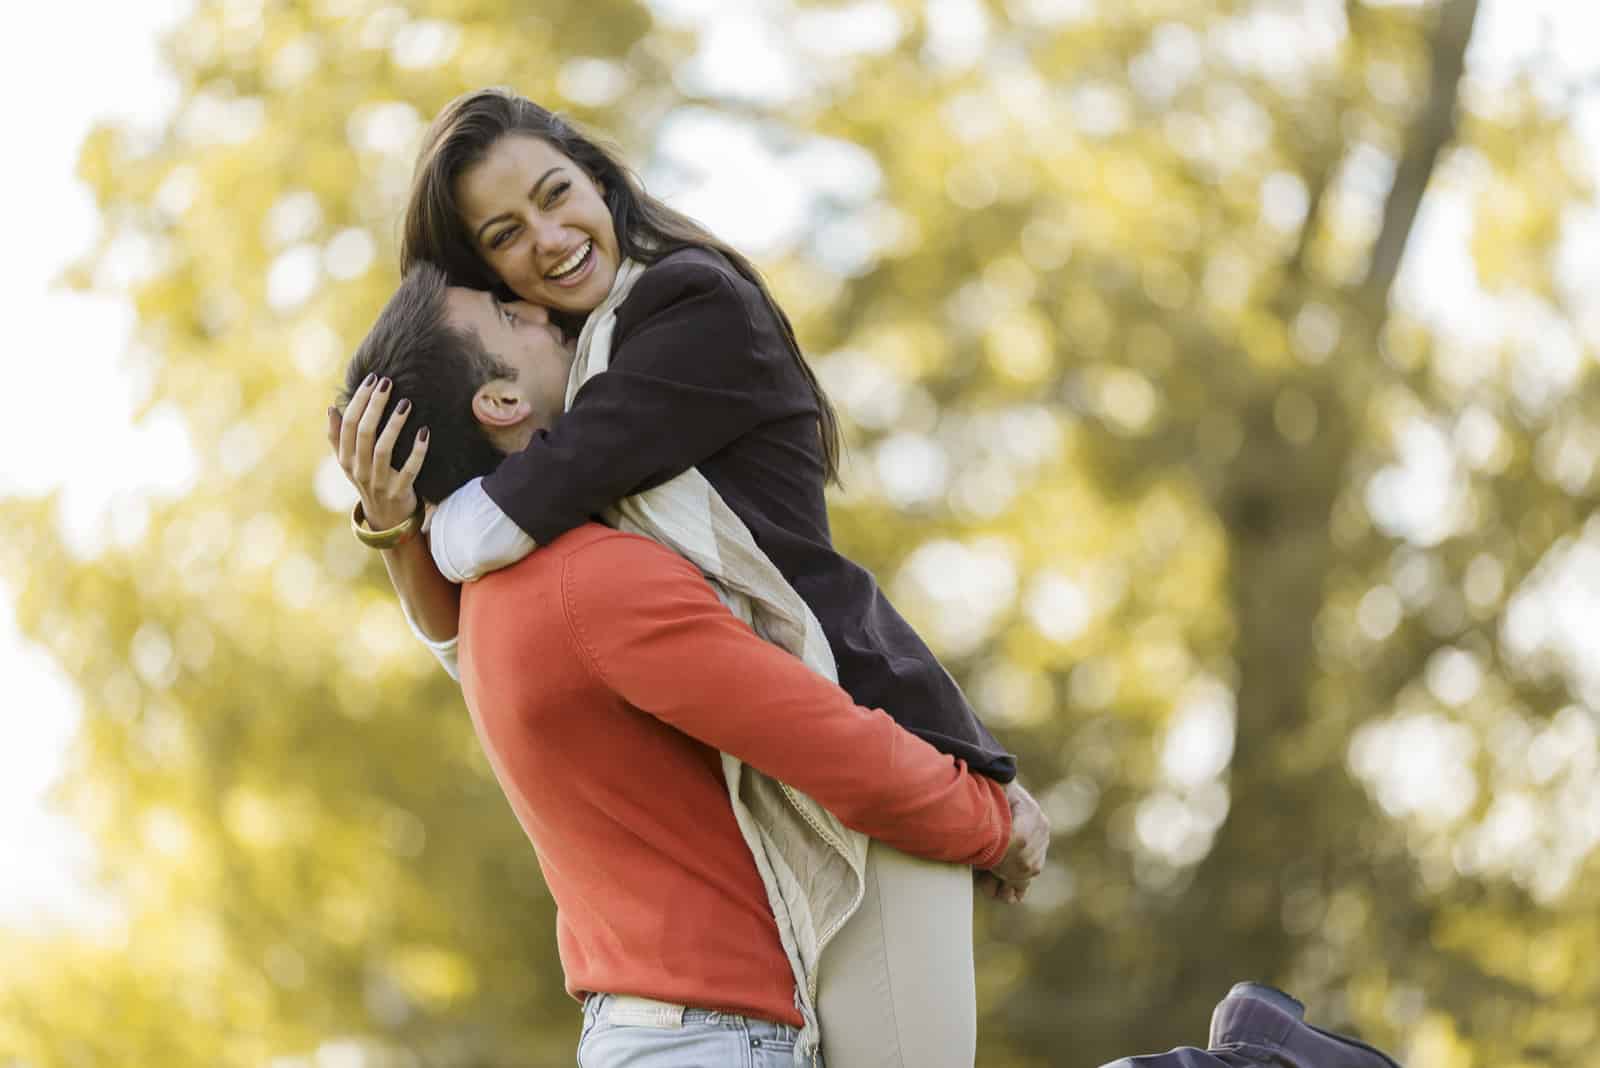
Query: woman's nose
[550, 236]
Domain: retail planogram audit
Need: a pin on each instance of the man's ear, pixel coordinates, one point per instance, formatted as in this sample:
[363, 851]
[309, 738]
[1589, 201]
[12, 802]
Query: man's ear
[499, 404]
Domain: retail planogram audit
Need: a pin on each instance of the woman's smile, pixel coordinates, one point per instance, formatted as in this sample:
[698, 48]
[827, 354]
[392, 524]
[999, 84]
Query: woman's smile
[572, 270]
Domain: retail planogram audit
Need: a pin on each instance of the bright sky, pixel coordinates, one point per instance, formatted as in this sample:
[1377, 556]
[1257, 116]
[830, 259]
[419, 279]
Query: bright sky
[104, 458]
[113, 71]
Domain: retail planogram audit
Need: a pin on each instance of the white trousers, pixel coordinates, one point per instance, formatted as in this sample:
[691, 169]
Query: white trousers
[895, 987]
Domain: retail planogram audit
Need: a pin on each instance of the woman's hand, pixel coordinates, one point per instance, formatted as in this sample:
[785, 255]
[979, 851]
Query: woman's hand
[388, 495]
[1024, 860]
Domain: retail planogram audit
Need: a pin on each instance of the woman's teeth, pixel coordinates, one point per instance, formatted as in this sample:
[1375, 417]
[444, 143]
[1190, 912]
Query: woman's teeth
[571, 263]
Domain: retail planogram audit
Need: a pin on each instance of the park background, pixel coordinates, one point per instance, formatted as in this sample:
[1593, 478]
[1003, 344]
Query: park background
[1221, 400]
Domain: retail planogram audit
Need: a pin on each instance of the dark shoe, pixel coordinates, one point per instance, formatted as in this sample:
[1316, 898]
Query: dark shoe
[1228, 1007]
[1259, 1015]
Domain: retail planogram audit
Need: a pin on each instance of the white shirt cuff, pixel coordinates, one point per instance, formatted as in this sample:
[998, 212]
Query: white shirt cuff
[470, 536]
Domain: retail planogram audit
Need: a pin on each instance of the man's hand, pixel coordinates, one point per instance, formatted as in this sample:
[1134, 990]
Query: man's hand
[388, 495]
[1024, 860]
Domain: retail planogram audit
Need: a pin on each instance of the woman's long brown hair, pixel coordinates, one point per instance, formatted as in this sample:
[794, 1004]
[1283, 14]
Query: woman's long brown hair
[647, 229]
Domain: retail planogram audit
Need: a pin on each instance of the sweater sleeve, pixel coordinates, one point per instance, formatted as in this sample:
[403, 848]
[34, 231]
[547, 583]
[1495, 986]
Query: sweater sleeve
[685, 380]
[655, 634]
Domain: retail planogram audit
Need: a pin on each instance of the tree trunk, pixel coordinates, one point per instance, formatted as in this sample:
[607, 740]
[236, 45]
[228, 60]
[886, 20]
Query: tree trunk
[1276, 503]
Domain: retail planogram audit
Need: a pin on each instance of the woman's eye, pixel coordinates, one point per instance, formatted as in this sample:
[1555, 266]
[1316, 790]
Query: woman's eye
[499, 240]
[556, 192]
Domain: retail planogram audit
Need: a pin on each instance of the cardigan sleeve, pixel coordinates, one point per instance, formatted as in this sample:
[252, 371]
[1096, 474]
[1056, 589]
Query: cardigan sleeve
[686, 379]
[654, 633]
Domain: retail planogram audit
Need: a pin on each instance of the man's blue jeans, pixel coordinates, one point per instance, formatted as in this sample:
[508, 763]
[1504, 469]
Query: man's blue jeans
[705, 1039]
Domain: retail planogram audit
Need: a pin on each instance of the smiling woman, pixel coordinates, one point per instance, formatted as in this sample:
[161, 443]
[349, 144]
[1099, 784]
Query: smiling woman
[553, 244]
[501, 181]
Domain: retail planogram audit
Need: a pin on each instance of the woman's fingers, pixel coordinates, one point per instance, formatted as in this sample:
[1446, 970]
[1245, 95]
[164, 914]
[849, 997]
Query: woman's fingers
[413, 464]
[383, 450]
[998, 889]
[351, 422]
[367, 430]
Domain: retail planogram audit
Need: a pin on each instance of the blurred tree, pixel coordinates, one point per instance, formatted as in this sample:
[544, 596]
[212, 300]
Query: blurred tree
[1179, 229]
[1245, 546]
[288, 801]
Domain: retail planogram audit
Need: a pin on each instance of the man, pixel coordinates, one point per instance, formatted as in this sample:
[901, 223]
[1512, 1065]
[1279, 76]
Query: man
[605, 678]
[603, 675]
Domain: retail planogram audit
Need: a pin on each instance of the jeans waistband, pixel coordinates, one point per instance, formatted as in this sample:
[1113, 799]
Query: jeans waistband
[629, 1011]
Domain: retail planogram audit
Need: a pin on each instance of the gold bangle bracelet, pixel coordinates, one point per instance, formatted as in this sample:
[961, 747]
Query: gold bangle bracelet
[394, 537]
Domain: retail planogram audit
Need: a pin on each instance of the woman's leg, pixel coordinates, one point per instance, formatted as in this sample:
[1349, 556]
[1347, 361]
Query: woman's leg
[895, 987]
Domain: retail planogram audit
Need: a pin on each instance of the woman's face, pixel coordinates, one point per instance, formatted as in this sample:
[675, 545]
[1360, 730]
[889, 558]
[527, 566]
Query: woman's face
[540, 223]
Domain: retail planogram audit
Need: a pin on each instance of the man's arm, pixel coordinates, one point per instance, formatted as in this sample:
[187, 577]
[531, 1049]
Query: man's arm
[655, 634]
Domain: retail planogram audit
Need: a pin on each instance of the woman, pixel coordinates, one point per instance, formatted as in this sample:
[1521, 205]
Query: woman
[704, 373]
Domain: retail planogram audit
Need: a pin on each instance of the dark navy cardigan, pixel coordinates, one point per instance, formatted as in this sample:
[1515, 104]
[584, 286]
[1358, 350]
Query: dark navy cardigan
[700, 377]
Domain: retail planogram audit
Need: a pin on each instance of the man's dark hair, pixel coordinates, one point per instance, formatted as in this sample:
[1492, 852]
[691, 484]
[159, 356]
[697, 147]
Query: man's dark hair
[438, 368]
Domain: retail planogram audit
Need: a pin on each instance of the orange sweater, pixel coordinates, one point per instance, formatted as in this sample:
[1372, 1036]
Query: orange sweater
[603, 677]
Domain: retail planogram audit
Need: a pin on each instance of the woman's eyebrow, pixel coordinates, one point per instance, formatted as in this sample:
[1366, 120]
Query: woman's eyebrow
[532, 195]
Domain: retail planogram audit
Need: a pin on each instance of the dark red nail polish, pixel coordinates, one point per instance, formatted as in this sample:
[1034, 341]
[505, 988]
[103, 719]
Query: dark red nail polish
[422, 435]
[402, 408]
[383, 386]
[371, 378]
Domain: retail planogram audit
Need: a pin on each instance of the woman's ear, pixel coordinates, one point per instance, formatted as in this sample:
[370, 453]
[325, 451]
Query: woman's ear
[499, 404]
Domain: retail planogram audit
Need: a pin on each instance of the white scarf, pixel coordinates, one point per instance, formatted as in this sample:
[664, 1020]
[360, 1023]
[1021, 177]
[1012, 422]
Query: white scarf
[811, 864]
